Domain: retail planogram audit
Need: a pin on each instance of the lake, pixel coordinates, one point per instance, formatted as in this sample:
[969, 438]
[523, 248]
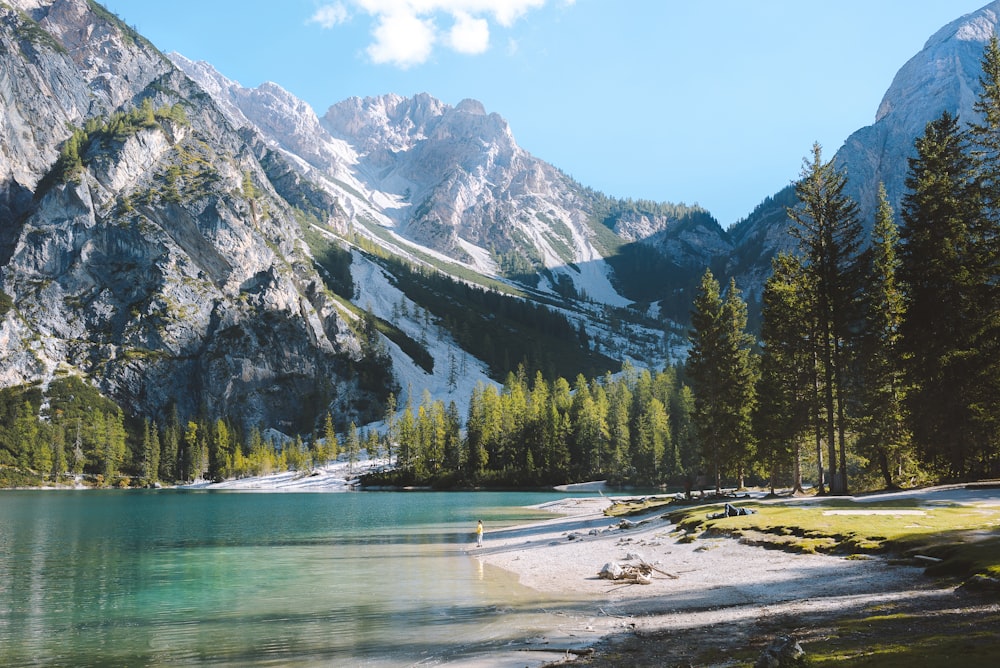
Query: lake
[175, 577]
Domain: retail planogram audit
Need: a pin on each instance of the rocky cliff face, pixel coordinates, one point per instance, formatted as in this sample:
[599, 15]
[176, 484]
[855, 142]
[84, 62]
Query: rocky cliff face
[155, 257]
[944, 76]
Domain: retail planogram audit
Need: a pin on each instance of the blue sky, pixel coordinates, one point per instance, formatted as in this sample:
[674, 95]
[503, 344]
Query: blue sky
[714, 103]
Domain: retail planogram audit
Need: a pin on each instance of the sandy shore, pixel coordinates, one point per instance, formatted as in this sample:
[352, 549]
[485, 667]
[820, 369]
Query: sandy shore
[718, 580]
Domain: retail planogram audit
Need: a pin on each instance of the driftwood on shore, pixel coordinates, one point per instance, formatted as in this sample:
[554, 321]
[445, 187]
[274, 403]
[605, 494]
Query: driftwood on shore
[634, 570]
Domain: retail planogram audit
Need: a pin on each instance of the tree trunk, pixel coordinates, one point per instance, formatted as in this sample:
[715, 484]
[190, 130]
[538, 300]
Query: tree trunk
[883, 465]
[718, 474]
[841, 415]
[836, 486]
[797, 469]
[818, 428]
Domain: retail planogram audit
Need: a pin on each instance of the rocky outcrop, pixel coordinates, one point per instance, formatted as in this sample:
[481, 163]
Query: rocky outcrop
[944, 76]
[461, 182]
[164, 266]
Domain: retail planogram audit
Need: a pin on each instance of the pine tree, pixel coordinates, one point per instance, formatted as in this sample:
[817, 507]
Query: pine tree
[192, 459]
[147, 115]
[590, 429]
[77, 457]
[985, 135]
[704, 368]
[939, 280]
[785, 388]
[330, 450]
[652, 439]
[742, 374]
[169, 446]
[220, 452]
[985, 139]
[829, 234]
[561, 399]
[390, 425]
[406, 437]
[619, 405]
[539, 429]
[453, 439]
[883, 438]
[475, 433]
[722, 377]
[685, 437]
[352, 444]
[113, 447]
[150, 452]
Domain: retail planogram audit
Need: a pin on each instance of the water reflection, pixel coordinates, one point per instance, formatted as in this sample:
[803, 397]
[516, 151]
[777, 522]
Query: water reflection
[236, 579]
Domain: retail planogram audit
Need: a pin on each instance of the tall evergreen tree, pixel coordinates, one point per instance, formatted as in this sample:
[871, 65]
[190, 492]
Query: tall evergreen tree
[352, 445]
[25, 435]
[743, 380]
[169, 446]
[829, 233]
[192, 459]
[113, 446]
[150, 452]
[939, 279]
[883, 437]
[685, 439]
[619, 405]
[985, 135]
[476, 434]
[722, 378]
[985, 138]
[785, 386]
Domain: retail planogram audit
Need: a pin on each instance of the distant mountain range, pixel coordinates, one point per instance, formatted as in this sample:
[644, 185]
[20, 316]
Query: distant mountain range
[180, 239]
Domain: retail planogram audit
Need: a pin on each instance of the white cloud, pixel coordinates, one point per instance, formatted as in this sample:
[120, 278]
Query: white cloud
[469, 35]
[329, 16]
[402, 39]
[406, 31]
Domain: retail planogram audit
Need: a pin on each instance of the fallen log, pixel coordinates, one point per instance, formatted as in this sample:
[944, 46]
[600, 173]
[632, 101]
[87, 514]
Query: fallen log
[627, 573]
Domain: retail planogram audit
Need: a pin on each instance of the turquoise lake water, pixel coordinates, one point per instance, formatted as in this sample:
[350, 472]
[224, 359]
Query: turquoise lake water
[170, 577]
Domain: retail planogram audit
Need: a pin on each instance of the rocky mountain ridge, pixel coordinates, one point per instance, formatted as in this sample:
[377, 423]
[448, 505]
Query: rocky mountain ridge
[162, 264]
[453, 180]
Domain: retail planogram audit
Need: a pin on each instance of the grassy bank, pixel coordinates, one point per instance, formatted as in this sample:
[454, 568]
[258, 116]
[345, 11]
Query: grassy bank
[953, 615]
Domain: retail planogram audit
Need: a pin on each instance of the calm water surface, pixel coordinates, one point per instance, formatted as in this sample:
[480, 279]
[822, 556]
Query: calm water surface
[227, 578]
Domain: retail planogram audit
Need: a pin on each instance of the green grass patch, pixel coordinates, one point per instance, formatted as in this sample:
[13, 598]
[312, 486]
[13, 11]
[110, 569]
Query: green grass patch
[628, 507]
[965, 539]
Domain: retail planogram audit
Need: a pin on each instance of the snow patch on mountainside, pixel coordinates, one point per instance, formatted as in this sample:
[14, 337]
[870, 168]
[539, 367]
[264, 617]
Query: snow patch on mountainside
[451, 363]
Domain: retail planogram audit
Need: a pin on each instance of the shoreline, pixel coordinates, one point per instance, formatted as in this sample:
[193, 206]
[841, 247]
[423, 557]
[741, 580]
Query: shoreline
[719, 583]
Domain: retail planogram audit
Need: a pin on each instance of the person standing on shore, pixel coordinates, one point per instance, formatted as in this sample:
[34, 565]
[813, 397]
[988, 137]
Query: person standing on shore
[479, 534]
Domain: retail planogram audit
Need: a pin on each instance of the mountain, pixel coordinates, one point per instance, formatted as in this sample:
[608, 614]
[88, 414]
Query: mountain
[943, 76]
[453, 181]
[179, 239]
[143, 244]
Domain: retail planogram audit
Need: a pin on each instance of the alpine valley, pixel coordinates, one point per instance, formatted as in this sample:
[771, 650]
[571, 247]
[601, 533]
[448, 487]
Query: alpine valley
[181, 242]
